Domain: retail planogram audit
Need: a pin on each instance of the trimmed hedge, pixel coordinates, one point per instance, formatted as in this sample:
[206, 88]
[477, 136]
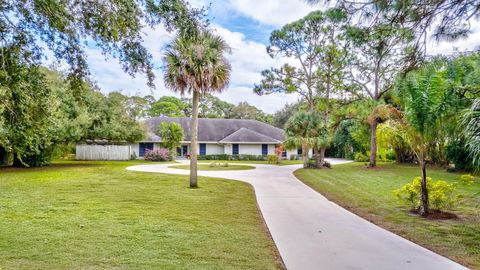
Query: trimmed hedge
[232, 157]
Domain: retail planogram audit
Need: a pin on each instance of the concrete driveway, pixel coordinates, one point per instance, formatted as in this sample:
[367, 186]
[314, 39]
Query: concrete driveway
[312, 232]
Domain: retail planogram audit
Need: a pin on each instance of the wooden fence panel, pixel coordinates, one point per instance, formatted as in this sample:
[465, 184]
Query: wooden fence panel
[102, 152]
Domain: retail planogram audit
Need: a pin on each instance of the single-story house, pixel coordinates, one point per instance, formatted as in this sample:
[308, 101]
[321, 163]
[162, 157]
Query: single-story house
[215, 136]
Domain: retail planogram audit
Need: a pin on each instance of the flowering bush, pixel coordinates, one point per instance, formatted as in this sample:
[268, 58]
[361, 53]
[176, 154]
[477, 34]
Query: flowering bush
[160, 154]
[467, 179]
[440, 193]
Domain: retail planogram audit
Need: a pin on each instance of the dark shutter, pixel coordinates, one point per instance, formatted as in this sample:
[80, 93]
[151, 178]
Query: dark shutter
[203, 149]
[235, 149]
[264, 149]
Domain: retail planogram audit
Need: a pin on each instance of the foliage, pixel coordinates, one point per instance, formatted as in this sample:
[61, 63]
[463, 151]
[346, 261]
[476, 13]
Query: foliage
[159, 154]
[171, 135]
[467, 179]
[280, 117]
[272, 159]
[218, 164]
[451, 20]
[167, 106]
[313, 43]
[305, 130]
[360, 157]
[246, 111]
[471, 122]
[114, 26]
[28, 107]
[442, 194]
[457, 153]
[109, 120]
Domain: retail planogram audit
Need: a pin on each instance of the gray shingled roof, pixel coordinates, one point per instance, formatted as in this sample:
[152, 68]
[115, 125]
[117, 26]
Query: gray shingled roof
[248, 135]
[216, 130]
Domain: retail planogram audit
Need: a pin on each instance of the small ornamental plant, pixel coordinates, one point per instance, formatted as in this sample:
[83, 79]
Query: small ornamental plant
[272, 159]
[467, 179]
[441, 194]
[160, 154]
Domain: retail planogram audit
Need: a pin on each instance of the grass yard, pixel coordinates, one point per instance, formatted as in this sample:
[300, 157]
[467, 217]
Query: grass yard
[368, 193]
[97, 215]
[207, 167]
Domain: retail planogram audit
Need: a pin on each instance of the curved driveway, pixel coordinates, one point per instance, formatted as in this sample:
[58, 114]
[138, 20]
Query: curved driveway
[312, 232]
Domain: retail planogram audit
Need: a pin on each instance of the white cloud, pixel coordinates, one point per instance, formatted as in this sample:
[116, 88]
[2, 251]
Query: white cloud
[468, 44]
[272, 12]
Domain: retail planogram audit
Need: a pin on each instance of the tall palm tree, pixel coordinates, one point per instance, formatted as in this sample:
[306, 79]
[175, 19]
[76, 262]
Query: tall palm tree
[197, 65]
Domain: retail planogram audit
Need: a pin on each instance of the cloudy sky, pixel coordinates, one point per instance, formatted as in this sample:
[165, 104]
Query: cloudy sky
[246, 26]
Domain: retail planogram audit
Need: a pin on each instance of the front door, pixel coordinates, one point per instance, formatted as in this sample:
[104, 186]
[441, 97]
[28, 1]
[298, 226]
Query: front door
[184, 150]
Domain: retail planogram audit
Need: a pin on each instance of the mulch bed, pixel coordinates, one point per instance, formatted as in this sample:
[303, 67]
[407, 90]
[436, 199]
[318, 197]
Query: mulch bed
[436, 215]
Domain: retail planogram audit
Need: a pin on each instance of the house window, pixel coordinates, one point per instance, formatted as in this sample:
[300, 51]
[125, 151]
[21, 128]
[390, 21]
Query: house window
[264, 149]
[184, 150]
[203, 149]
[235, 149]
[284, 154]
[144, 147]
[299, 151]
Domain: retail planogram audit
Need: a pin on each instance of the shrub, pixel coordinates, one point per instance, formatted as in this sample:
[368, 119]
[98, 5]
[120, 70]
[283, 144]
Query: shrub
[467, 179]
[272, 159]
[360, 157]
[293, 157]
[440, 193]
[390, 155]
[218, 164]
[457, 153]
[160, 154]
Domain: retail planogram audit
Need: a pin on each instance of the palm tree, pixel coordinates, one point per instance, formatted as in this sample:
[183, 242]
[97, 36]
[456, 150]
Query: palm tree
[305, 130]
[426, 94]
[471, 121]
[196, 64]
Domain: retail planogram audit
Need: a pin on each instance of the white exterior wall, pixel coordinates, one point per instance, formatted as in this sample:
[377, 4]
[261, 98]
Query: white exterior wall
[227, 149]
[102, 152]
[214, 149]
[249, 149]
[271, 149]
[135, 149]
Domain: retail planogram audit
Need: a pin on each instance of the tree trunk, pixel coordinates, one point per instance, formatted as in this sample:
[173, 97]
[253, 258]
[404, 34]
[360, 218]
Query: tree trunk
[321, 157]
[17, 162]
[193, 140]
[373, 144]
[305, 155]
[424, 209]
[316, 157]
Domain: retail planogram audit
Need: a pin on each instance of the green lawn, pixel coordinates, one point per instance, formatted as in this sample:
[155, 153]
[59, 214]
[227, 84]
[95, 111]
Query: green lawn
[97, 215]
[207, 167]
[368, 193]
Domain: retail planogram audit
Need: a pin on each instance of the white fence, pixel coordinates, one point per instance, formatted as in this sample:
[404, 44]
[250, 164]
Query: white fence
[102, 152]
